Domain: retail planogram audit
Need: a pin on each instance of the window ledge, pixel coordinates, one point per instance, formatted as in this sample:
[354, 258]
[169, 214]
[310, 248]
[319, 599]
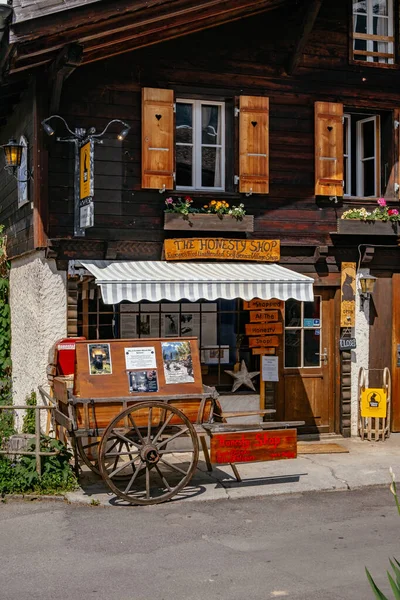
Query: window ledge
[366, 199]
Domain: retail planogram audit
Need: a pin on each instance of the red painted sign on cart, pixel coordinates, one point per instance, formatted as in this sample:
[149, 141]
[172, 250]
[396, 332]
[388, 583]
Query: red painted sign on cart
[253, 446]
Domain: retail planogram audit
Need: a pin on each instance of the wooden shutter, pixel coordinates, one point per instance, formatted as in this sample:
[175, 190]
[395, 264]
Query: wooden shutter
[328, 149]
[254, 145]
[158, 150]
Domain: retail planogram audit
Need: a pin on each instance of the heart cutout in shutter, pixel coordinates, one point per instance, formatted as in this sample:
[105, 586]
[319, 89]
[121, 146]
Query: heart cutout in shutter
[158, 117]
[254, 123]
[329, 128]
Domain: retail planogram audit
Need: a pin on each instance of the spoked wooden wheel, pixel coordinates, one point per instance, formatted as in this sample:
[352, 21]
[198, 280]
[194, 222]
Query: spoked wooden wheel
[88, 449]
[147, 468]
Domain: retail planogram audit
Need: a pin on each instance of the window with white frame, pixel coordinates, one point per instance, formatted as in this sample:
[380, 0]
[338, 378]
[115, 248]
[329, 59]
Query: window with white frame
[373, 31]
[303, 333]
[361, 155]
[200, 145]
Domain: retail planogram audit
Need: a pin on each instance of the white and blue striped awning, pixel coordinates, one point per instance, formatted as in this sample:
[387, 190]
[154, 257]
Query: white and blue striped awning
[158, 280]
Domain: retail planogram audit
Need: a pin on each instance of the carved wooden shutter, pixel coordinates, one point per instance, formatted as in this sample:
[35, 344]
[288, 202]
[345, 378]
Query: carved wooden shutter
[254, 145]
[328, 149]
[158, 149]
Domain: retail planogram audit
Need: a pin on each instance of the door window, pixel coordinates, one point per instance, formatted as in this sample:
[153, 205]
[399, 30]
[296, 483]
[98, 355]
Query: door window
[303, 333]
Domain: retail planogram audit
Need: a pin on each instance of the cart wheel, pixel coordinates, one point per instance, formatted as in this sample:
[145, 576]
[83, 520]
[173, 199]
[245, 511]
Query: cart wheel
[141, 473]
[89, 453]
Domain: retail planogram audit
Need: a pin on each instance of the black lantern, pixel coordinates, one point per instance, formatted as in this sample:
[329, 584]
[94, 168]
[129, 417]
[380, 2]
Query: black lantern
[12, 154]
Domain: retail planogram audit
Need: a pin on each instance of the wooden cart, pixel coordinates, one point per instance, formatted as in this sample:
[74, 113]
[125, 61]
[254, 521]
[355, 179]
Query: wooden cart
[136, 412]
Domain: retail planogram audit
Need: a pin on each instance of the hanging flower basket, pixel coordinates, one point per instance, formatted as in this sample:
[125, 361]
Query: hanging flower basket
[204, 222]
[381, 221]
[354, 227]
[215, 216]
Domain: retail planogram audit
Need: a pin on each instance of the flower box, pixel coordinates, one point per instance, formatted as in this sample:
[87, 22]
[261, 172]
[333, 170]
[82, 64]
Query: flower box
[207, 222]
[355, 227]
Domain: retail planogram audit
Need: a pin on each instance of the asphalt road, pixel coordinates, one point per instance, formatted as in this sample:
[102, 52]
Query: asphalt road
[302, 547]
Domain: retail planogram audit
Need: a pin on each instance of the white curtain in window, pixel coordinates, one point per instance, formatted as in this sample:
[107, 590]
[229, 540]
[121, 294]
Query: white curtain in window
[216, 139]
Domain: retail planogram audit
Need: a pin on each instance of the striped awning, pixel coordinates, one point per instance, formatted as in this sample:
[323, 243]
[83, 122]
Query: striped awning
[157, 280]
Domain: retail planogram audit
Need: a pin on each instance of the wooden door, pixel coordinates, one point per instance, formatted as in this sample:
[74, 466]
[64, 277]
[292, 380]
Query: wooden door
[396, 352]
[308, 362]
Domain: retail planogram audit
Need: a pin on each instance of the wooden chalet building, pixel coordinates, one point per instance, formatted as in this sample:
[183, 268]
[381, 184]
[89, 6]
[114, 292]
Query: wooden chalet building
[290, 107]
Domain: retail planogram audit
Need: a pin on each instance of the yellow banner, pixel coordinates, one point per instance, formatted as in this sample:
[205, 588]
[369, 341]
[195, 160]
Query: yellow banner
[348, 296]
[221, 248]
[85, 172]
[373, 402]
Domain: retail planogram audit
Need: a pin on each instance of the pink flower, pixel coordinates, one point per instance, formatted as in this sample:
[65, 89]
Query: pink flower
[382, 202]
[169, 201]
[393, 212]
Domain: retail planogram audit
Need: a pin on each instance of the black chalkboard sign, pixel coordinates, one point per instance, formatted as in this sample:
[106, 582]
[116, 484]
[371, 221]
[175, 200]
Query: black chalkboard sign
[347, 343]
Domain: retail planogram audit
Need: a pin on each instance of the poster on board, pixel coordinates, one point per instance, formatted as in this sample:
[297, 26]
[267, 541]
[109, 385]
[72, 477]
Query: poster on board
[143, 381]
[269, 368]
[99, 359]
[177, 359]
[140, 358]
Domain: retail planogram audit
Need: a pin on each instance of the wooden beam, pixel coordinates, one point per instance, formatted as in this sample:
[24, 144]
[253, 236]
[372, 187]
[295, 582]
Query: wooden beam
[40, 168]
[66, 62]
[304, 32]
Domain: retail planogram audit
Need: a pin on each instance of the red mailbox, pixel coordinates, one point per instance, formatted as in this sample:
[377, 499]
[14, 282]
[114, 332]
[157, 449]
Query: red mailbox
[65, 355]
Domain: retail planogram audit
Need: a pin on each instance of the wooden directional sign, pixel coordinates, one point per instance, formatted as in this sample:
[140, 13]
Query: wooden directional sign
[264, 316]
[262, 351]
[261, 342]
[263, 328]
[257, 304]
[253, 446]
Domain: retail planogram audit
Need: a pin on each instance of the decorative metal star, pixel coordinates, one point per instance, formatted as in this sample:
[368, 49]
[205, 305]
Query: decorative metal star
[243, 377]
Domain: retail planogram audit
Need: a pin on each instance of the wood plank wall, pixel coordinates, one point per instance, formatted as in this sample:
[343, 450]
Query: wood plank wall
[18, 221]
[246, 57]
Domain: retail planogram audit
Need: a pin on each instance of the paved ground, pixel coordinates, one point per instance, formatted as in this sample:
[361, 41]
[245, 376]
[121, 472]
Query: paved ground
[366, 464]
[311, 546]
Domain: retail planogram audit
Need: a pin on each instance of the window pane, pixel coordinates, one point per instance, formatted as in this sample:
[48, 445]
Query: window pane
[184, 159]
[312, 310]
[292, 313]
[184, 123]
[380, 27]
[211, 167]
[369, 178]
[312, 347]
[293, 348]
[360, 24]
[210, 124]
[359, 6]
[360, 45]
[368, 130]
[380, 7]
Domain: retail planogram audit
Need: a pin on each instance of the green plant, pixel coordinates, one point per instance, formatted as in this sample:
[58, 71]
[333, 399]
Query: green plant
[380, 213]
[6, 417]
[94, 502]
[21, 477]
[394, 581]
[215, 207]
[28, 425]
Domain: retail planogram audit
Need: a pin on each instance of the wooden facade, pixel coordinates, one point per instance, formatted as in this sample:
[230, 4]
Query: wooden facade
[293, 56]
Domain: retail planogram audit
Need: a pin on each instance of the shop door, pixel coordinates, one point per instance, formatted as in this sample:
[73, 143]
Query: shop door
[308, 377]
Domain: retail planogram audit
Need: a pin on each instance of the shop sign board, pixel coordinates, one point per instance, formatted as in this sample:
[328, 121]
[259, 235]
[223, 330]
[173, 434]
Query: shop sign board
[267, 329]
[261, 342]
[257, 304]
[263, 351]
[263, 328]
[373, 402]
[347, 344]
[348, 295]
[253, 446]
[221, 248]
[86, 159]
[264, 316]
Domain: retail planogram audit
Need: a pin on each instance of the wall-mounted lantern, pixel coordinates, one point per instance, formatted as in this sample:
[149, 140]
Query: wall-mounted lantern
[13, 157]
[367, 287]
